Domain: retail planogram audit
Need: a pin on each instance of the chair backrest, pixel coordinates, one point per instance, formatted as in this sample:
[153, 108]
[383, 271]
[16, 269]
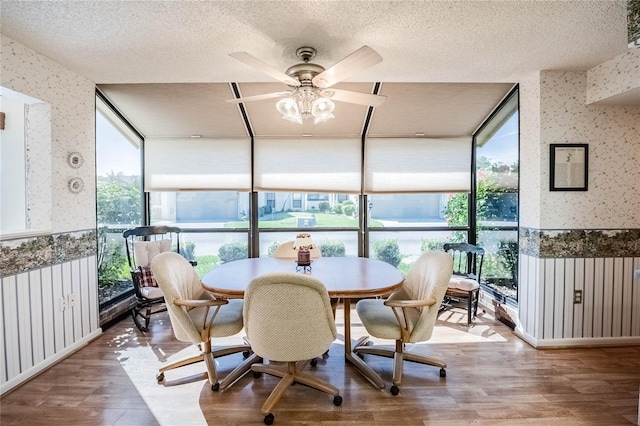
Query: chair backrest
[178, 280]
[428, 278]
[467, 259]
[145, 242]
[286, 251]
[288, 317]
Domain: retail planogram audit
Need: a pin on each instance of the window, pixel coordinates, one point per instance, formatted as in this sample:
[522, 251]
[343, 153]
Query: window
[118, 199]
[497, 168]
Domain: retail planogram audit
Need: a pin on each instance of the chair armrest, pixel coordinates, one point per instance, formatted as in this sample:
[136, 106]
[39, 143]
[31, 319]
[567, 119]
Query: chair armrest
[198, 303]
[410, 303]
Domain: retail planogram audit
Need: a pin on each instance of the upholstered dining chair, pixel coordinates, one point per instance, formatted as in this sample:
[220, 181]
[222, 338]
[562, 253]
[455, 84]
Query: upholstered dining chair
[465, 281]
[197, 317]
[407, 315]
[288, 318]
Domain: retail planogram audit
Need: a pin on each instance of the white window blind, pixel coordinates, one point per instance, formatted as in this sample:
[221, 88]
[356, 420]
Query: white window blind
[395, 165]
[197, 164]
[307, 165]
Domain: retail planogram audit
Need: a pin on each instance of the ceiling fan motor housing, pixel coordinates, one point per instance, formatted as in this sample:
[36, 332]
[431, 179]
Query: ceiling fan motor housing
[304, 72]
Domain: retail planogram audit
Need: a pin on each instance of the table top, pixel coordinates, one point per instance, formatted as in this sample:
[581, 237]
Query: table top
[344, 277]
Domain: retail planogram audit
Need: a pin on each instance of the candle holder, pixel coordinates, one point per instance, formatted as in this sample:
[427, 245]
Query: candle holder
[303, 246]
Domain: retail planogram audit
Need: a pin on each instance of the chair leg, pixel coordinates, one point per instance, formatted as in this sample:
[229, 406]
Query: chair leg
[288, 377]
[469, 307]
[397, 363]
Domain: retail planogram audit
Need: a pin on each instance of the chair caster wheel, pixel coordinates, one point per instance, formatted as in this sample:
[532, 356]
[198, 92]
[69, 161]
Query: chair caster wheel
[337, 400]
[257, 374]
[246, 354]
[394, 390]
[268, 419]
[314, 362]
[325, 355]
[443, 372]
[215, 387]
[160, 377]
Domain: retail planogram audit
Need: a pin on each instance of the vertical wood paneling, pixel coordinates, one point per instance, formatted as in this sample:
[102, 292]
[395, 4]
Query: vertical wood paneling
[617, 310]
[611, 298]
[3, 346]
[635, 305]
[48, 306]
[523, 297]
[558, 299]
[67, 315]
[598, 297]
[578, 308]
[35, 305]
[10, 315]
[548, 306]
[24, 322]
[92, 294]
[626, 294]
[58, 326]
[588, 296]
[567, 298]
[607, 297]
[32, 326]
[75, 312]
[83, 300]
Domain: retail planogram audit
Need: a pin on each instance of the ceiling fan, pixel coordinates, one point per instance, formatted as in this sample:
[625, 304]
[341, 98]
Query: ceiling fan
[310, 93]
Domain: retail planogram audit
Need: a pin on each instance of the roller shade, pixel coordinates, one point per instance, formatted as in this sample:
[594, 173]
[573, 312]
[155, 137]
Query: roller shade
[197, 164]
[307, 165]
[396, 165]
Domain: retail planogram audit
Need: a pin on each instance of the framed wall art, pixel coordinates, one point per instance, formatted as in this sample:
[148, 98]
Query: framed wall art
[569, 167]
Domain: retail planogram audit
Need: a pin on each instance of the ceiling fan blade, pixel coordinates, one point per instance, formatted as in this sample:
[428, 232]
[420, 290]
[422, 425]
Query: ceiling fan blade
[353, 97]
[265, 68]
[258, 97]
[359, 60]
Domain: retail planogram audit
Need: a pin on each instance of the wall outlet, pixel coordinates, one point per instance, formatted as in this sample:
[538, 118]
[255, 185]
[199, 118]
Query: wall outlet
[63, 304]
[577, 296]
[71, 300]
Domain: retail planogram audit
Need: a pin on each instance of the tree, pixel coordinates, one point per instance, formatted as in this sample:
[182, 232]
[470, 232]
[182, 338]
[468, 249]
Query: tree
[119, 199]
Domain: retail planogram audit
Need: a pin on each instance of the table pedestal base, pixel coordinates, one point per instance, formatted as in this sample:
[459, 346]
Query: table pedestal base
[368, 373]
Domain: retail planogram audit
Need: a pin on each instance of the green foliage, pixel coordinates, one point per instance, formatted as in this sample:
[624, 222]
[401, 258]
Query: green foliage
[119, 199]
[332, 248]
[337, 208]
[508, 255]
[188, 250]
[324, 206]
[387, 251]
[206, 264]
[633, 20]
[349, 208]
[233, 251]
[431, 245]
[113, 266]
[456, 212]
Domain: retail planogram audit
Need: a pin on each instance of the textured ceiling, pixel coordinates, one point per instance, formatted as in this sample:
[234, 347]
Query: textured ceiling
[446, 64]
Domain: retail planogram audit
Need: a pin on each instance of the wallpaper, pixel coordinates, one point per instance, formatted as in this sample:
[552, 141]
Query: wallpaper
[72, 100]
[613, 135]
[614, 77]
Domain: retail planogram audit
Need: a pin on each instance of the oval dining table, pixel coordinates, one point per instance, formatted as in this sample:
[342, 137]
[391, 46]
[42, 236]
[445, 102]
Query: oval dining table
[345, 278]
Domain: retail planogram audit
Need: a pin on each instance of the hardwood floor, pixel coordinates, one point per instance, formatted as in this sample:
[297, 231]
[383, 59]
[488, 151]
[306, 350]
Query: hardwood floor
[492, 378]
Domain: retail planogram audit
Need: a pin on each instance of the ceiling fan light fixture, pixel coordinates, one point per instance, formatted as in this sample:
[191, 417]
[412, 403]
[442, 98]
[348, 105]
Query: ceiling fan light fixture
[322, 118]
[323, 107]
[287, 107]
